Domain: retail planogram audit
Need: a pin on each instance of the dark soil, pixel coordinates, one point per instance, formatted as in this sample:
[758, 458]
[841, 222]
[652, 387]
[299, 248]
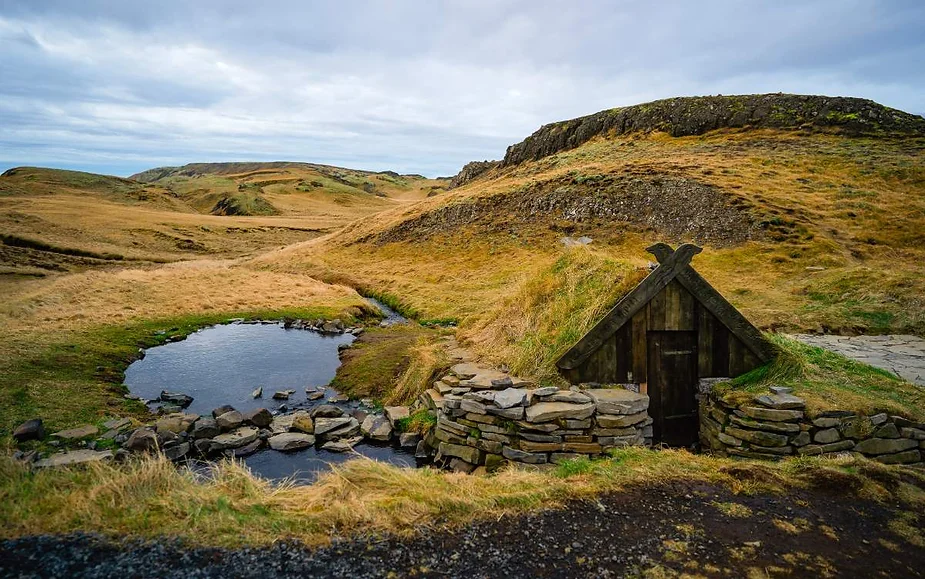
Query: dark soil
[664, 530]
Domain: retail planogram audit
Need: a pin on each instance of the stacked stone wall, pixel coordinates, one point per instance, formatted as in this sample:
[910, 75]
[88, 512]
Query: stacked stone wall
[486, 417]
[777, 425]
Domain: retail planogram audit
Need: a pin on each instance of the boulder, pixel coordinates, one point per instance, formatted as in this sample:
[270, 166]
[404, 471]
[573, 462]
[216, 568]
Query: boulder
[549, 411]
[177, 451]
[349, 430]
[314, 395]
[884, 445]
[302, 422]
[73, 457]
[326, 425]
[377, 427]
[141, 440]
[260, 417]
[408, 439]
[77, 433]
[258, 393]
[510, 398]
[340, 445]
[203, 446]
[29, 430]
[283, 394]
[178, 398]
[289, 441]
[326, 411]
[205, 428]
[237, 437]
[230, 420]
[243, 451]
[282, 423]
[221, 410]
[618, 401]
[176, 423]
[396, 413]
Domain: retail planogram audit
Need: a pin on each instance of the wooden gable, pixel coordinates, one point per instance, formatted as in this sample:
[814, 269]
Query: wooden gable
[673, 298]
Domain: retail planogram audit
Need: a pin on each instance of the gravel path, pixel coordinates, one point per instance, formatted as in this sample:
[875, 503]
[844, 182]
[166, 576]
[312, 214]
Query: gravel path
[676, 528]
[899, 354]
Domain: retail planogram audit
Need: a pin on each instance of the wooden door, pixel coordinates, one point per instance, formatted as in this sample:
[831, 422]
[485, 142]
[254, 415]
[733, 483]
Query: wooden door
[672, 387]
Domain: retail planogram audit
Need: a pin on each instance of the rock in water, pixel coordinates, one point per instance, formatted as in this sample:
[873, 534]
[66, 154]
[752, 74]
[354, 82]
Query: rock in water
[29, 430]
[235, 438]
[221, 410]
[288, 441]
[230, 420]
[178, 398]
[260, 417]
[283, 394]
[258, 393]
[326, 411]
[377, 428]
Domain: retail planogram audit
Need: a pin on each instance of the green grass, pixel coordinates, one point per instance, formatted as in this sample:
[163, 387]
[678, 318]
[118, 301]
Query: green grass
[377, 359]
[71, 377]
[420, 422]
[829, 381]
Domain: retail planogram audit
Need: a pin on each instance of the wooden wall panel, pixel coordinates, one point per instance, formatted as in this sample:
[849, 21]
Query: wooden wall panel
[640, 345]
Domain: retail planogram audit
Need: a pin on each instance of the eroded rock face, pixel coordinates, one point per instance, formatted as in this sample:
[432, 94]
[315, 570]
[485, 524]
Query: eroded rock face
[697, 115]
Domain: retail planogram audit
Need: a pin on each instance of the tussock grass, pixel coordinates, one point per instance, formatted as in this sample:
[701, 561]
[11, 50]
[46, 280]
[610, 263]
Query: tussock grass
[426, 359]
[149, 497]
[551, 310]
[830, 381]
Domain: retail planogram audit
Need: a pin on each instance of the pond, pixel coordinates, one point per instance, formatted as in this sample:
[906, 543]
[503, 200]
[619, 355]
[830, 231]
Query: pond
[224, 364]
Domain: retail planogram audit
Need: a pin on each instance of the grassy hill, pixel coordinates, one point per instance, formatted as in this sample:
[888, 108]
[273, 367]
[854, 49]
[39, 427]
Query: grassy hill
[813, 218]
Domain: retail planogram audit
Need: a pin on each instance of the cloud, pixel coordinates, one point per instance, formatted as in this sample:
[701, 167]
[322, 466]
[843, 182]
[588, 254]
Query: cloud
[410, 86]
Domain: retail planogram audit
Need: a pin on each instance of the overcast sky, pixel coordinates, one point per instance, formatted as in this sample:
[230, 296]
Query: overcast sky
[118, 87]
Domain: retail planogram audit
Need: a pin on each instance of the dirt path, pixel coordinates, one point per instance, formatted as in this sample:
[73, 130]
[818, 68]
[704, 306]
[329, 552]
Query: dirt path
[900, 354]
[694, 528]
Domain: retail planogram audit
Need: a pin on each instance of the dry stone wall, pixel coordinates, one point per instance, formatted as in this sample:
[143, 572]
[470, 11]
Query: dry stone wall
[486, 417]
[776, 425]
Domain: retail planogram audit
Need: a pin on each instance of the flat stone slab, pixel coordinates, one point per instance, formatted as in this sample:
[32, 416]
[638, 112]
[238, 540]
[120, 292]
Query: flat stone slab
[618, 401]
[235, 438]
[74, 457]
[902, 355]
[290, 441]
[548, 411]
[77, 432]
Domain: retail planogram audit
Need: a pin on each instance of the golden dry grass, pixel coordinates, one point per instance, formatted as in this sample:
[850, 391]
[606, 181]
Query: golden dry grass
[152, 497]
[113, 297]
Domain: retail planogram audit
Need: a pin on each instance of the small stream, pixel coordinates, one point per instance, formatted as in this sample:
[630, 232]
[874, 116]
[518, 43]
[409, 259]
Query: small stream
[224, 364]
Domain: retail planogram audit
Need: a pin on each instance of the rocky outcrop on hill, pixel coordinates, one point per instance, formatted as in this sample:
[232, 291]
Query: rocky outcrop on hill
[472, 170]
[675, 207]
[696, 115]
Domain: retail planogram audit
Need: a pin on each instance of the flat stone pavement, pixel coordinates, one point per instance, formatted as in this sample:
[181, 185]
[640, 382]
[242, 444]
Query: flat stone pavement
[900, 354]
